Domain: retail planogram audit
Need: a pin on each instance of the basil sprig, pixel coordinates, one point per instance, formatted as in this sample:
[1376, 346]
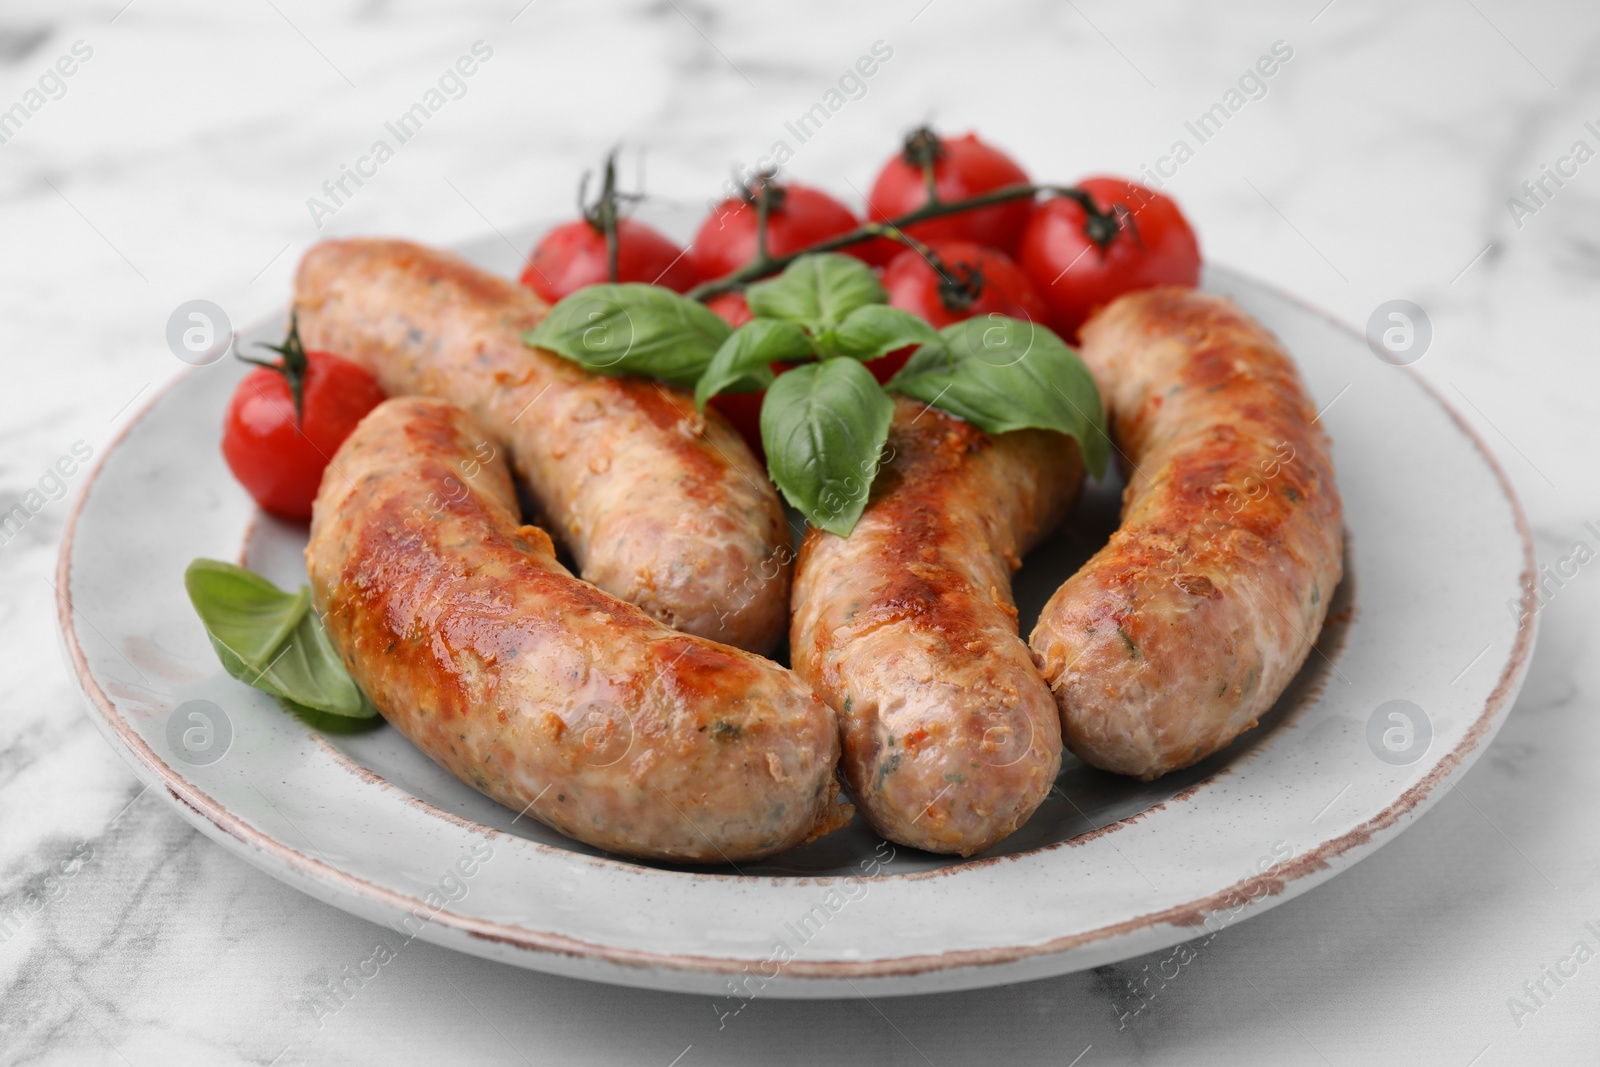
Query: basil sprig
[840, 305]
[272, 640]
[743, 363]
[824, 424]
[817, 292]
[1003, 374]
[877, 329]
[632, 328]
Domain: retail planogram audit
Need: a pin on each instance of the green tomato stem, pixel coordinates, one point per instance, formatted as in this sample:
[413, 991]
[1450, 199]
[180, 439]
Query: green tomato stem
[763, 218]
[603, 214]
[293, 365]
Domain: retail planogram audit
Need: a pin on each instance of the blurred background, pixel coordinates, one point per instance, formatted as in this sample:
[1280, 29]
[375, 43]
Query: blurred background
[1402, 152]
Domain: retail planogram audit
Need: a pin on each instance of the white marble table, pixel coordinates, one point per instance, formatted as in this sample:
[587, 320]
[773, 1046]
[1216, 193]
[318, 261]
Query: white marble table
[177, 160]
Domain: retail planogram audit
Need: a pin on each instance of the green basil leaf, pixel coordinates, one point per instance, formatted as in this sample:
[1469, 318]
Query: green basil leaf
[248, 616]
[740, 365]
[310, 672]
[632, 328]
[823, 426]
[272, 640]
[325, 722]
[1004, 374]
[877, 329]
[817, 291]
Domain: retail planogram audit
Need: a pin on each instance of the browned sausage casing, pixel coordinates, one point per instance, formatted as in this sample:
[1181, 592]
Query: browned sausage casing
[659, 506]
[539, 689]
[1187, 626]
[908, 630]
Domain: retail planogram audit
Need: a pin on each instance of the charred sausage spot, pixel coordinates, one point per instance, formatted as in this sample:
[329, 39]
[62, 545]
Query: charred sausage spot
[697, 671]
[1196, 585]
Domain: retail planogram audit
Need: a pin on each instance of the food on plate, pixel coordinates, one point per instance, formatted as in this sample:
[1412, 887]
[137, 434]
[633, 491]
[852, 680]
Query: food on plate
[602, 246]
[798, 217]
[660, 505]
[1182, 631]
[907, 629]
[541, 690]
[287, 417]
[908, 387]
[1076, 272]
[961, 168]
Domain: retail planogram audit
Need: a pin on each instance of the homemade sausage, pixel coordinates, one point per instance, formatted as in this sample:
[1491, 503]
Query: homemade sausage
[538, 689]
[660, 506]
[1182, 631]
[908, 630]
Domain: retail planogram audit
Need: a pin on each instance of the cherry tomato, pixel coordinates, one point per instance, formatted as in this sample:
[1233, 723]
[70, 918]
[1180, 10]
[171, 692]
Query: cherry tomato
[990, 283]
[278, 458]
[732, 307]
[963, 167]
[573, 255]
[1075, 276]
[799, 217]
[743, 412]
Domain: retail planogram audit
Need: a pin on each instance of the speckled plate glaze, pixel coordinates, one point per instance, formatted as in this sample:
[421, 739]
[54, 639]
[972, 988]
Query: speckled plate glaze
[1438, 562]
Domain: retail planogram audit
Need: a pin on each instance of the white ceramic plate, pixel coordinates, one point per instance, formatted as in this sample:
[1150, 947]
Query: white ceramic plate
[1108, 868]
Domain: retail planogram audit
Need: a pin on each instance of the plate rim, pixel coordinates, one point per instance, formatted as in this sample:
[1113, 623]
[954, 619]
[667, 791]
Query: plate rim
[149, 766]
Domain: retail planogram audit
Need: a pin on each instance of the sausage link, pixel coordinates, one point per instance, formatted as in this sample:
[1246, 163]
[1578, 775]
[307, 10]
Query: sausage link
[908, 630]
[539, 689]
[1182, 631]
[659, 506]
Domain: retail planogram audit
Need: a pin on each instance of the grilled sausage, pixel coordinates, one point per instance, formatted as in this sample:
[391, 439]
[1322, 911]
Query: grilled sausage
[538, 689]
[908, 630]
[1182, 631]
[659, 506]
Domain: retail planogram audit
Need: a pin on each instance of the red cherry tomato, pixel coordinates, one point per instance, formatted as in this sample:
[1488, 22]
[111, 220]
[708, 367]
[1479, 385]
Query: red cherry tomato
[963, 167]
[278, 459]
[1002, 288]
[1075, 276]
[573, 255]
[732, 307]
[800, 217]
[743, 412]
